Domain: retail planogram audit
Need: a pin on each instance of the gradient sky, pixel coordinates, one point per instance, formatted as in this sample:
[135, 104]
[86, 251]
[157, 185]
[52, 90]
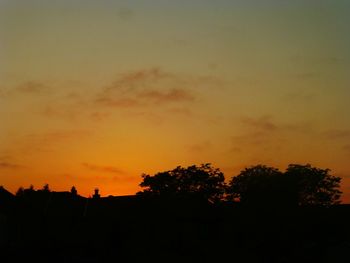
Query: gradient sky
[95, 93]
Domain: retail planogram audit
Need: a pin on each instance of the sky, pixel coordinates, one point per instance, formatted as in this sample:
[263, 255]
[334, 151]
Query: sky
[95, 93]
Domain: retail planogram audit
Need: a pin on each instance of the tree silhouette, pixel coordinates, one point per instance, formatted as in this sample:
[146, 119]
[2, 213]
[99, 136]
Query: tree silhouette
[202, 181]
[298, 185]
[258, 184]
[314, 186]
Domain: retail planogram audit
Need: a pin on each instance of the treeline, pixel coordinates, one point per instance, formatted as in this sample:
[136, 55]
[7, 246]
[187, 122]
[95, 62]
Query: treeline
[298, 185]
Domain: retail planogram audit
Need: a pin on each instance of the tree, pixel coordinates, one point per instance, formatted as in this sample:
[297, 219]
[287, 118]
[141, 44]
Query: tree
[298, 185]
[258, 184]
[314, 186]
[202, 181]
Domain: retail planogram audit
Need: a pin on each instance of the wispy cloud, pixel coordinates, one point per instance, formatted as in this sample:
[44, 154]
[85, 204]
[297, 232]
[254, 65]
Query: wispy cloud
[181, 111]
[101, 168]
[145, 88]
[167, 96]
[337, 134]
[137, 93]
[299, 95]
[118, 102]
[48, 142]
[264, 123]
[267, 124]
[6, 163]
[55, 136]
[99, 116]
[325, 60]
[347, 147]
[200, 147]
[266, 134]
[32, 87]
[305, 75]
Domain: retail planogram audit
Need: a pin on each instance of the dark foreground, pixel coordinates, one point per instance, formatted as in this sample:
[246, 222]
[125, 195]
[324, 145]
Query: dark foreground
[59, 227]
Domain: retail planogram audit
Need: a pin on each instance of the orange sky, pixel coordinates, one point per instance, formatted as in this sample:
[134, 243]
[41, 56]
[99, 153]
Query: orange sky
[95, 93]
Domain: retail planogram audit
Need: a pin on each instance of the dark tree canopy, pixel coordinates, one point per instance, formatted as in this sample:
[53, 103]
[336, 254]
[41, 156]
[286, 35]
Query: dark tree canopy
[203, 181]
[314, 186]
[298, 185]
[258, 184]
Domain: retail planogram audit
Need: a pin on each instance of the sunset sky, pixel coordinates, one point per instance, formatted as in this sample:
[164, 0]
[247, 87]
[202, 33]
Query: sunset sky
[95, 93]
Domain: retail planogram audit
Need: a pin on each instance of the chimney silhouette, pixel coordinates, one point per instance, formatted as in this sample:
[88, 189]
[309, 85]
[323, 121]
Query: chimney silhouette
[96, 194]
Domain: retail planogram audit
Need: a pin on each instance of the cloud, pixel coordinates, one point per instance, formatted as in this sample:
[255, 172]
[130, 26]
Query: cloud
[66, 112]
[25, 88]
[167, 96]
[262, 123]
[32, 87]
[137, 92]
[337, 134]
[325, 60]
[200, 147]
[306, 75]
[347, 147]
[98, 168]
[118, 102]
[55, 136]
[5, 163]
[181, 111]
[266, 124]
[144, 88]
[47, 142]
[99, 116]
[255, 138]
[297, 95]
[265, 134]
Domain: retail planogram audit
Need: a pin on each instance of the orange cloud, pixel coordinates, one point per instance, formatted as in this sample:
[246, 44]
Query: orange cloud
[108, 169]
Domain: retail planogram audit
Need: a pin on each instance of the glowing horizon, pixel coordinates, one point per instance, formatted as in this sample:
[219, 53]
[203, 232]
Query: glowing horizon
[93, 94]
